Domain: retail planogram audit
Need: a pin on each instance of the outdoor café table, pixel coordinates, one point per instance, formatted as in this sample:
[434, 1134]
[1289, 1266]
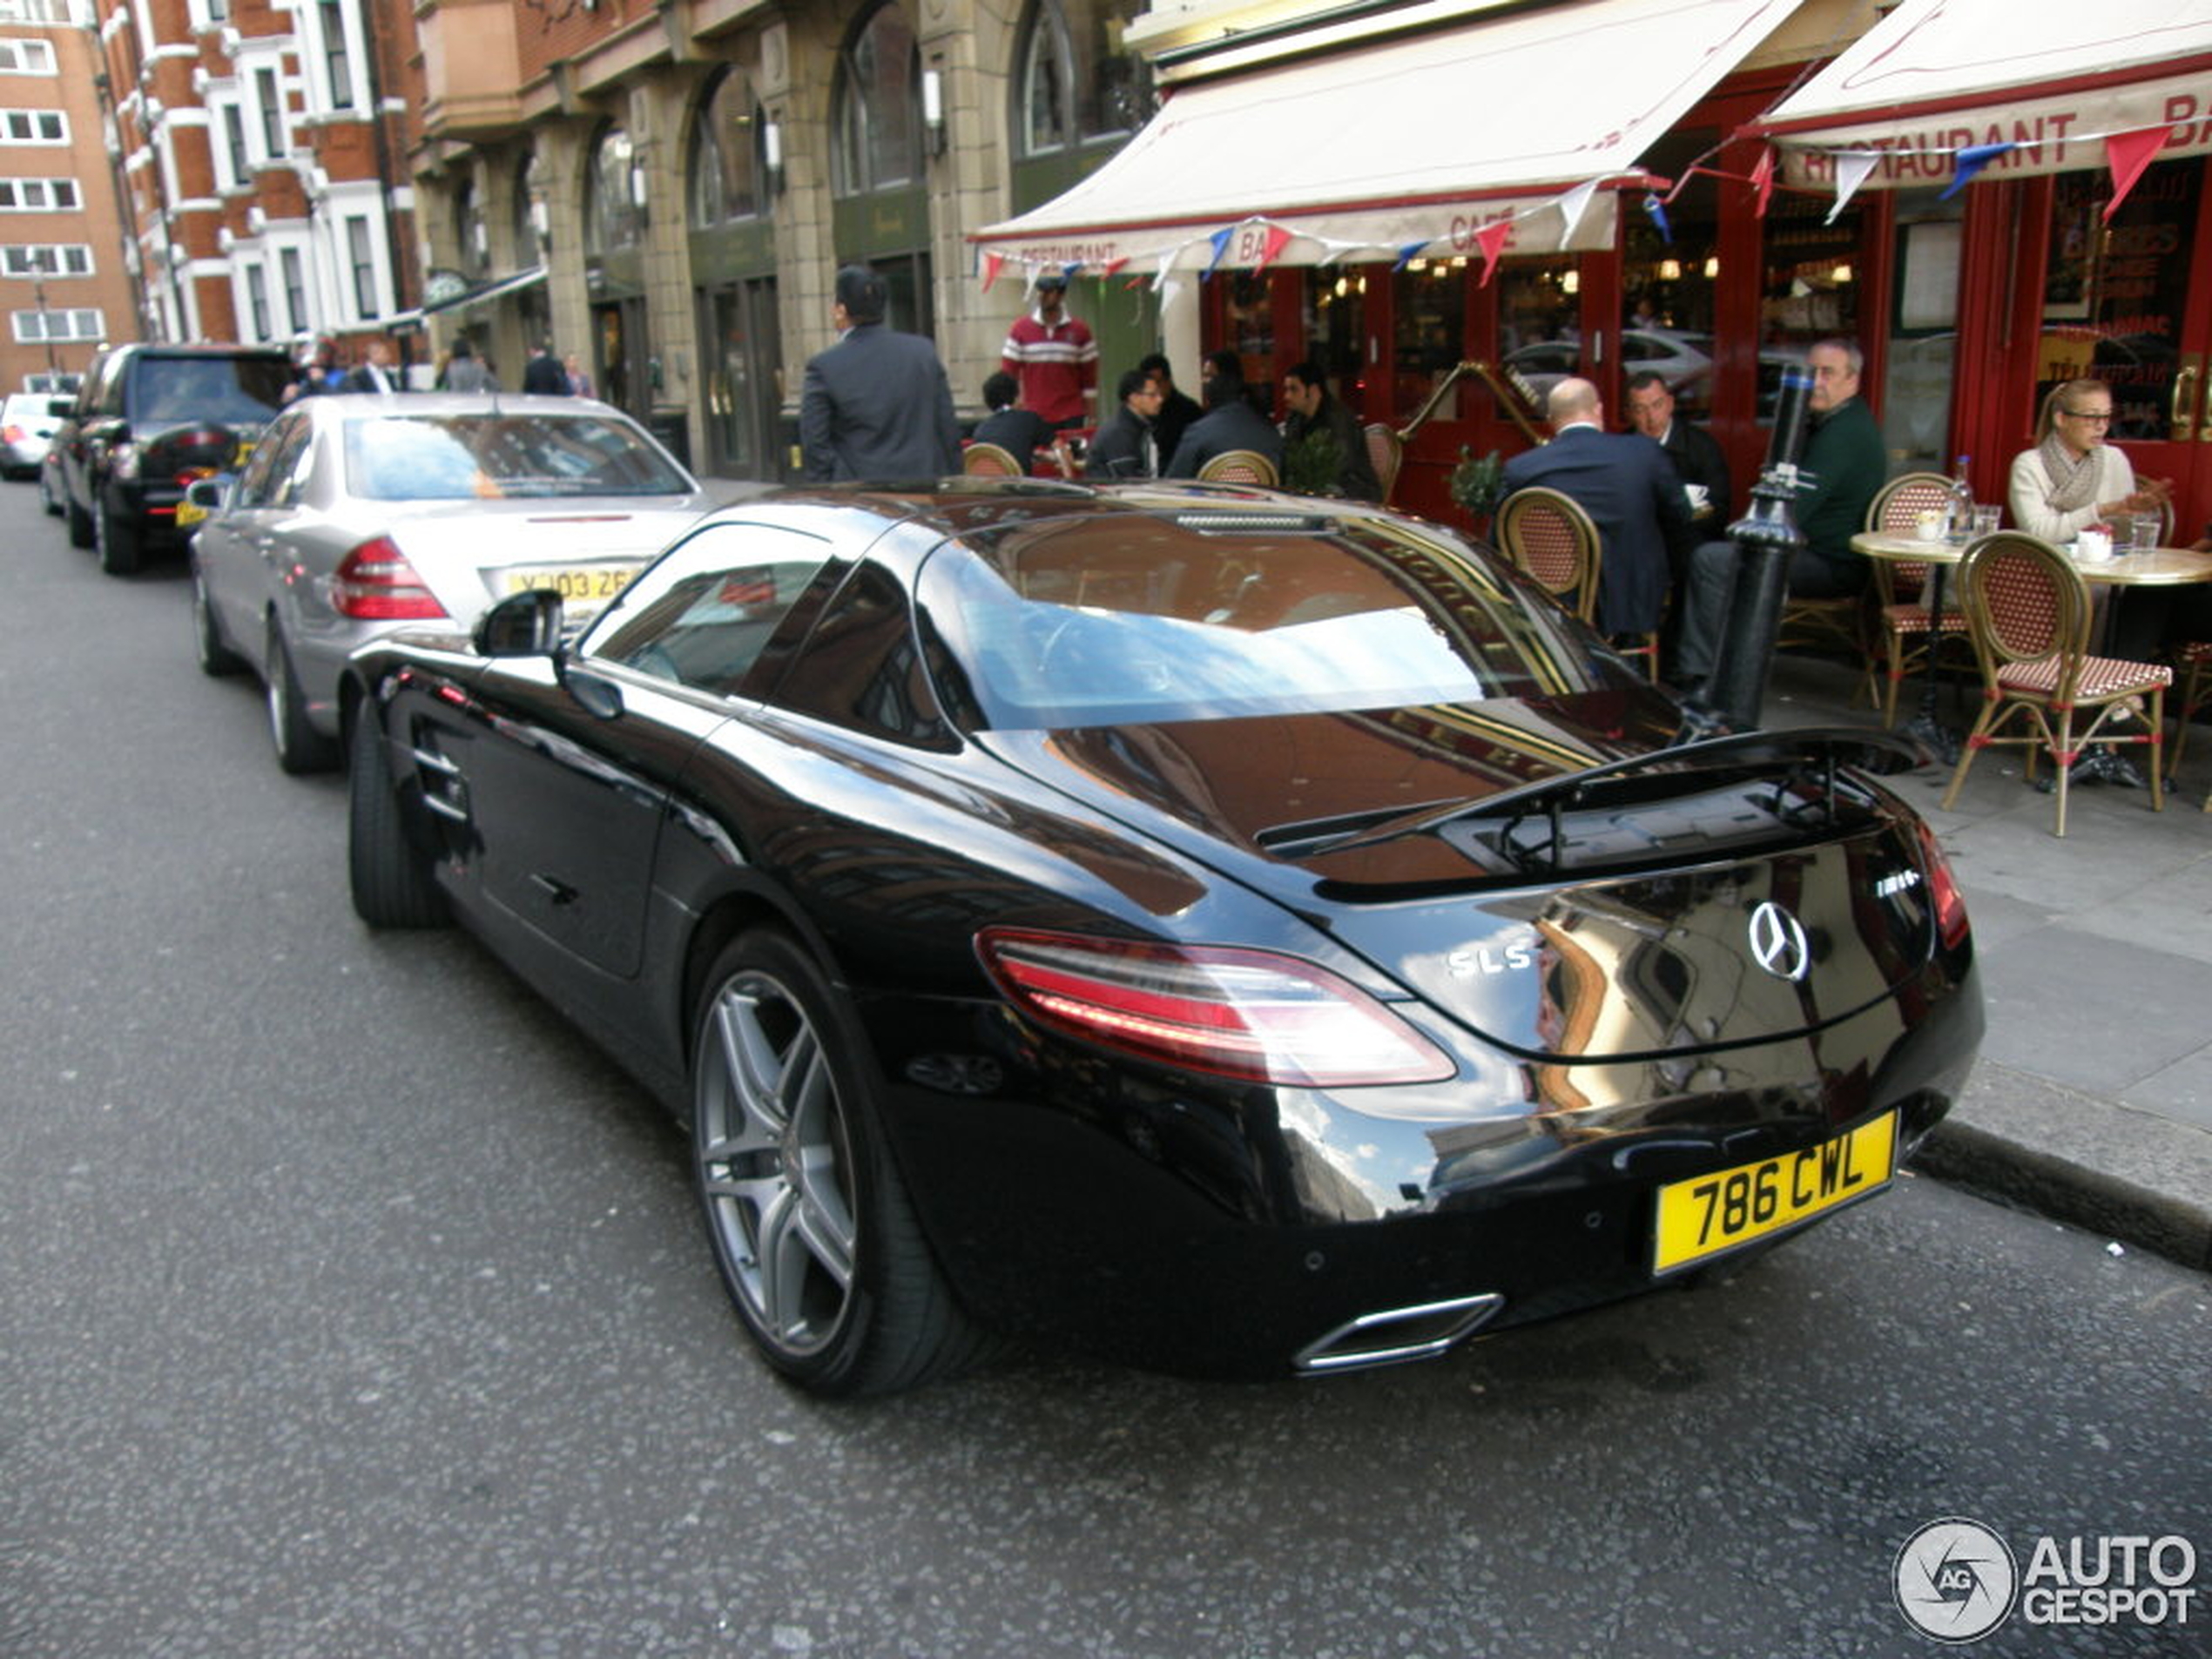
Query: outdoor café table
[2156, 567]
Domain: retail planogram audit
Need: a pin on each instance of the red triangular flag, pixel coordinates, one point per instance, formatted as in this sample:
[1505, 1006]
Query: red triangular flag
[2127, 154]
[1763, 178]
[1278, 239]
[1112, 265]
[1491, 239]
[991, 264]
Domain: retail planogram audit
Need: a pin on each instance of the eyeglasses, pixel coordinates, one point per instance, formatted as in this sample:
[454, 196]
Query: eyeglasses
[2101, 416]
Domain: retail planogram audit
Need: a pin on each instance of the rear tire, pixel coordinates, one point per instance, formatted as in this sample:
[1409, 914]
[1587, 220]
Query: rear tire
[116, 540]
[810, 1221]
[299, 747]
[80, 525]
[216, 658]
[391, 881]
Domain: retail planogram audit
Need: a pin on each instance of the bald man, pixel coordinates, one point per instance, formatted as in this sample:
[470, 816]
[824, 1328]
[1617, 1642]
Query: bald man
[1626, 485]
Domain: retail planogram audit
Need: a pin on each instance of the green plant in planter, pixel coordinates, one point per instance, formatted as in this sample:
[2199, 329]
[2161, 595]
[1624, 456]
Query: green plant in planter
[1478, 485]
[1312, 465]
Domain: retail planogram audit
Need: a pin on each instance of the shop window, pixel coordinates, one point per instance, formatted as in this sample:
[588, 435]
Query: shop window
[1333, 307]
[1809, 289]
[1074, 79]
[726, 161]
[1670, 272]
[1429, 301]
[1540, 326]
[877, 117]
[612, 220]
[1921, 361]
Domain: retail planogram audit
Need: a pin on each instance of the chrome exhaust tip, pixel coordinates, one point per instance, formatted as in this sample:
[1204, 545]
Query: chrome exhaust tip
[1396, 1335]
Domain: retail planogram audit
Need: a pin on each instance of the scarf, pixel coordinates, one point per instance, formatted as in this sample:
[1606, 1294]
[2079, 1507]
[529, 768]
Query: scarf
[2074, 482]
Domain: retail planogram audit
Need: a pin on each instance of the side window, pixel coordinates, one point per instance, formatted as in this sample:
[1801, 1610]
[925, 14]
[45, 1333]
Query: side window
[703, 615]
[271, 464]
[292, 463]
[861, 666]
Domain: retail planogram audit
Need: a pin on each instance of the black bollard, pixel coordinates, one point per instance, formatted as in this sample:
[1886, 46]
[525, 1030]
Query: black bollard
[1765, 537]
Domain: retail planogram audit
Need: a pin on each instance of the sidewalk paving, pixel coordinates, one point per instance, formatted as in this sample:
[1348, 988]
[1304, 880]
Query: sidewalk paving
[2092, 1101]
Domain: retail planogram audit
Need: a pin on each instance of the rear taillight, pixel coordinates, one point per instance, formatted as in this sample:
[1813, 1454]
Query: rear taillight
[1943, 892]
[1239, 1012]
[375, 583]
[12, 434]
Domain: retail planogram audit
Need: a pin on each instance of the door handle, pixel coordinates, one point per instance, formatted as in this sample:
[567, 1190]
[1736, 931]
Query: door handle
[2180, 414]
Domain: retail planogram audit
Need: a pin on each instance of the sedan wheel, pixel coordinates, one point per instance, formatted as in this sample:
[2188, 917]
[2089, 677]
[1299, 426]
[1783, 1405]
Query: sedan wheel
[215, 658]
[81, 533]
[299, 747]
[810, 1222]
[47, 498]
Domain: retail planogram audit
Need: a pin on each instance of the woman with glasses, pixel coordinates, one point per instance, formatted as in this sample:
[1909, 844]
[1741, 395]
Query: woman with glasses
[2073, 477]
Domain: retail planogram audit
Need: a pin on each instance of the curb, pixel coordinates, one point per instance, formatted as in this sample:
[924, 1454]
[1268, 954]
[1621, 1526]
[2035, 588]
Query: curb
[2132, 1175]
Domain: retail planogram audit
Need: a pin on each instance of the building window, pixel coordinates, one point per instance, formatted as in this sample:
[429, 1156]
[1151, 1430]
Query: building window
[338, 63]
[363, 251]
[613, 220]
[26, 58]
[257, 299]
[294, 270]
[1075, 81]
[46, 258]
[36, 11]
[34, 126]
[234, 141]
[33, 327]
[470, 234]
[726, 162]
[532, 224]
[274, 139]
[876, 110]
[37, 195]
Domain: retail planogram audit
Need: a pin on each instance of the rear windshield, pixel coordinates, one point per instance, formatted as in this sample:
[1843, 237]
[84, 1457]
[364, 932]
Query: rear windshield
[498, 456]
[232, 391]
[1124, 619]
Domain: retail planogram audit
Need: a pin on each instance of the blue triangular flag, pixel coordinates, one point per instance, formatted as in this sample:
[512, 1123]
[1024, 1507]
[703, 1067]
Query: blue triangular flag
[1407, 254]
[1970, 161]
[1657, 209]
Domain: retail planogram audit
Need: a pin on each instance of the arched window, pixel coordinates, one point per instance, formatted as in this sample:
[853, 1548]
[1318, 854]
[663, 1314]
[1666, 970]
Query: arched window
[472, 236]
[1074, 80]
[727, 164]
[532, 222]
[611, 221]
[877, 110]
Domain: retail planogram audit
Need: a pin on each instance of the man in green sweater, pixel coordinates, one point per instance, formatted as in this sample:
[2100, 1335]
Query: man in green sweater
[1843, 466]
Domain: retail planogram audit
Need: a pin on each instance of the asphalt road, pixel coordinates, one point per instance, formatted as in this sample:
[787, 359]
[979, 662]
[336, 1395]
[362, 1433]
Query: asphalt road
[350, 1305]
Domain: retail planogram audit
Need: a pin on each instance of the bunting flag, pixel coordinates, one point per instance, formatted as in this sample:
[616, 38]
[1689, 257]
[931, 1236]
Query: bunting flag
[1069, 269]
[1407, 254]
[1571, 207]
[1763, 179]
[1657, 209]
[1492, 240]
[993, 263]
[1112, 265]
[2127, 154]
[1278, 239]
[1853, 168]
[1970, 161]
[1220, 247]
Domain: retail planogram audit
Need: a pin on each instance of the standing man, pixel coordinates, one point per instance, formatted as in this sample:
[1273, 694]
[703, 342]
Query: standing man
[543, 373]
[1127, 446]
[1843, 469]
[1623, 481]
[1313, 410]
[1053, 357]
[1230, 422]
[876, 407]
[374, 371]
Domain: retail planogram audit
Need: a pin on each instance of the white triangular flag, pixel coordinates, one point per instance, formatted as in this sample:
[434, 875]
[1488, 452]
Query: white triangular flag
[1852, 167]
[1571, 205]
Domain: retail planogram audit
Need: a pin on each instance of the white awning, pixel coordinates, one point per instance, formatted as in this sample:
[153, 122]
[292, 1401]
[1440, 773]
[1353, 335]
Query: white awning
[1418, 142]
[1938, 77]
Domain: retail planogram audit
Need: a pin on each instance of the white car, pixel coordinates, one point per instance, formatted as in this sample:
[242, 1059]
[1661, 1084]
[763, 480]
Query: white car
[357, 515]
[27, 424]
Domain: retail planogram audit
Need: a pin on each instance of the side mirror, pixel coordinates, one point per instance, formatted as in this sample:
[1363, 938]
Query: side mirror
[209, 495]
[522, 624]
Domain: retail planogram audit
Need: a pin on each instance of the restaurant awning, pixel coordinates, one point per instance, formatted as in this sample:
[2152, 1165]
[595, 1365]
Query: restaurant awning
[1938, 84]
[1421, 143]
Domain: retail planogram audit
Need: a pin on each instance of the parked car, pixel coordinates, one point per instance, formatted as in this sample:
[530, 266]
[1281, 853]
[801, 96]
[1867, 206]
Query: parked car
[357, 515]
[27, 426]
[148, 419]
[1684, 360]
[1244, 934]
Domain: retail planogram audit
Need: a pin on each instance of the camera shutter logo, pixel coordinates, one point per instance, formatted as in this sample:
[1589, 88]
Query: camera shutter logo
[1778, 942]
[1954, 1579]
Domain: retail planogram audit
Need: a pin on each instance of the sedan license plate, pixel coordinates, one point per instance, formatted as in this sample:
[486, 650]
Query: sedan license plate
[1709, 1215]
[584, 586]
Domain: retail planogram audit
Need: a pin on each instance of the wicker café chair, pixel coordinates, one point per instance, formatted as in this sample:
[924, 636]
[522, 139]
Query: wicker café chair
[1385, 453]
[1907, 634]
[1240, 467]
[2027, 612]
[1547, 534]
[989, 460]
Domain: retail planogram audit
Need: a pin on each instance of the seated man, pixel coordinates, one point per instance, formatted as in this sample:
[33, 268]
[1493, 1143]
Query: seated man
[1230, 422]
[1018, 431]
[1313, 410]
[1843, 470]
[1624, 482]
[1128, 445]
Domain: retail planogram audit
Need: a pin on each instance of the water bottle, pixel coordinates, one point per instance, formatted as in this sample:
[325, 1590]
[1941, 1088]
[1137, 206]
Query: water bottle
[1959, 513]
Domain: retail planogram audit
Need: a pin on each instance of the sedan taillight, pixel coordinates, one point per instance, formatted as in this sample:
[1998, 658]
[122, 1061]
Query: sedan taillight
[1943, 892]
[375, 583]
[1239, 1012]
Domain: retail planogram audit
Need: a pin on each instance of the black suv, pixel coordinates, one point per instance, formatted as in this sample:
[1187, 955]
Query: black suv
[147, 421]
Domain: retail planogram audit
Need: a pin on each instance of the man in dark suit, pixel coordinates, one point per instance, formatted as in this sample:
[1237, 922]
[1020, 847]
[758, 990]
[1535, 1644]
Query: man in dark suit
[1230, 422]
[1697, 454]
[1312, 409]
[876, 407]
[1624, 481]
[1128, 445]
[543, 375]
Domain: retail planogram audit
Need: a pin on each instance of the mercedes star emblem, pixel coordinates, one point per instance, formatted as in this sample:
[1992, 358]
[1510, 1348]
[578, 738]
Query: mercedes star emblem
[1778, 942]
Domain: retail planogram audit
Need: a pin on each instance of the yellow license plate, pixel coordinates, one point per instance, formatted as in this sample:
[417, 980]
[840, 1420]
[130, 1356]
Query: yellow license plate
[582, 584]
[1709, 1215]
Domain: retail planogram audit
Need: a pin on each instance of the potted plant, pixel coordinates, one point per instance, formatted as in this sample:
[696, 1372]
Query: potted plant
[1479, 485]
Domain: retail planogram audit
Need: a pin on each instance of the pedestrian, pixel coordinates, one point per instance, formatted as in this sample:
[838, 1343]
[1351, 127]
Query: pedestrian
[1053, 357]
[579, 382]
[1127, 446]
[1624, 482]
[374, 373]
[317, 371]
[1312, 409]
[875, 406]
[463, 372]
[1230, 422]
[543, 374]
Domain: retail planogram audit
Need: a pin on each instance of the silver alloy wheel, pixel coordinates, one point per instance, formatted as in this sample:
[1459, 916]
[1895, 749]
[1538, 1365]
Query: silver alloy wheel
[775, 1163]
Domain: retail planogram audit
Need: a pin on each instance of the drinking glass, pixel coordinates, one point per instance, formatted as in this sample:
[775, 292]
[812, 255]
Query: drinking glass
[1987, 518]
[2143, 533]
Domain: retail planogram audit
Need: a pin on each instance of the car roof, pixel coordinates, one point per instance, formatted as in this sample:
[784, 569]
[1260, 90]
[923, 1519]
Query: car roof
[340, 405]
[195, 349]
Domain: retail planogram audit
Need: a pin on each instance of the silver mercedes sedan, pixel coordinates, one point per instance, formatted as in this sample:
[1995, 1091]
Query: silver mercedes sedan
[356, 514]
